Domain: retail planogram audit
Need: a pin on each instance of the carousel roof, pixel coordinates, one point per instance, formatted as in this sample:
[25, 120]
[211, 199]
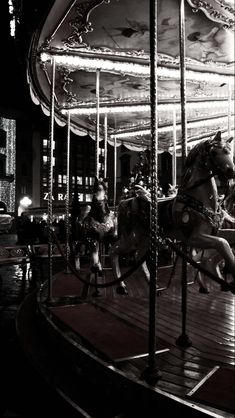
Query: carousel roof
[112, 37]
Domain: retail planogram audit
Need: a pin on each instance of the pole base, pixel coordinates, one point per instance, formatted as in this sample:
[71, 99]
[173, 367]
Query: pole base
[183, 341]
[151, 375]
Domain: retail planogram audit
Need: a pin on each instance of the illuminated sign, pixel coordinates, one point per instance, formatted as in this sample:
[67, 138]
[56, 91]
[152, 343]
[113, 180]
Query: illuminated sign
[60, 196]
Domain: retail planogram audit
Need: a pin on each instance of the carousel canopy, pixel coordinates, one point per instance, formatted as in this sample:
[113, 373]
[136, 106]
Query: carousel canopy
[101, 52]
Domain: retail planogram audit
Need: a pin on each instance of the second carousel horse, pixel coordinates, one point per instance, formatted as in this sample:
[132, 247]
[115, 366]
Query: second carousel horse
[100, 223]
[194, 216]
[95, 224]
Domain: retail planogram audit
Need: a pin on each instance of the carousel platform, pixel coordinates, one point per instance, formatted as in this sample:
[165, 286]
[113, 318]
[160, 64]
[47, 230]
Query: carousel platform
[105, 340]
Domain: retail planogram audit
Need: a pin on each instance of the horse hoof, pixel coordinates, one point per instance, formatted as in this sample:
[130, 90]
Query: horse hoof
[121, 290]
[203, 290]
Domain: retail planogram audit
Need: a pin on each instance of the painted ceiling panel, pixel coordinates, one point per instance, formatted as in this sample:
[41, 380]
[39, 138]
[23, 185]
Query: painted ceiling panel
[118, 30]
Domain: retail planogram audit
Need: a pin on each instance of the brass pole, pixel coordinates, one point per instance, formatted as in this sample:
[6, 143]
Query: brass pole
[183, 82]
[67, 192]
[230, 119]
[152, 374]
[183, 340]
[174, 180]
[115, 173]
[50, 181]
[105, 143]
[97, 121]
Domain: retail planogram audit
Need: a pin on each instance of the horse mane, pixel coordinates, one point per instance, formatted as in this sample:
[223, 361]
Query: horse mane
[200, 149]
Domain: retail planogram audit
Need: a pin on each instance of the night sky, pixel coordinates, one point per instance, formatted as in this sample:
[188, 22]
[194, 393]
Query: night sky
[15, 99]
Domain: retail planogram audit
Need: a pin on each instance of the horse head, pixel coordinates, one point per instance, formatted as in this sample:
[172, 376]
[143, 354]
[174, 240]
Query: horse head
[219, 157]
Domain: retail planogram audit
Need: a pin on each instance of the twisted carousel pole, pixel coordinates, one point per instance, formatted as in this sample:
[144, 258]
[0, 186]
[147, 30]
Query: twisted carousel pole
[230, 118]
[174, 180]
[105, 143]
[115, 173]
[97, 148]
[152, 374]
[229, 108]
[183, 82]
[67, 192]
[183, 340]
[50, 183]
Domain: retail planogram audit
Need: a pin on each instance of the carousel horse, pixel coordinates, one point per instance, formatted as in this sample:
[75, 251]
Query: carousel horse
[94, 224]
[193, 217]
[210, 257]
[133, 232]
[229, 201]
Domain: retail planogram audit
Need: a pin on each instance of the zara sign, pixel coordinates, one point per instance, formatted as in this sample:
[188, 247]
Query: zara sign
[60, 196]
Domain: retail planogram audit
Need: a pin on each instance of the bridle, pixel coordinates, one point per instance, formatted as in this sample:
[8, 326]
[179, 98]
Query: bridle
[207, 157]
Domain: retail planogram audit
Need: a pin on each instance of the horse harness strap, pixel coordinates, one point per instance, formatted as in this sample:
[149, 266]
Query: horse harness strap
[215, 218]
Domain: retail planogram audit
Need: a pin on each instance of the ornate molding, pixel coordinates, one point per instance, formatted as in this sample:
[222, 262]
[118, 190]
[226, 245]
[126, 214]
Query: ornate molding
[81, 23]
[65, 84]
[164, 60]
[119, 102]
[113, 52]
[49, 39]
[216, 10]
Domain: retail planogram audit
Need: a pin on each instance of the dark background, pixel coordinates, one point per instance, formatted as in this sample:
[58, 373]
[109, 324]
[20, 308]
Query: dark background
[15, 99]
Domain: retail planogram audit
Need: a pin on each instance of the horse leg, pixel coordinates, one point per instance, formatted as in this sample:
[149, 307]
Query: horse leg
[220, 244]
[74, 252]
[120, 247]
[95, 258]
[139, 254]
[200, 257]
[77, 257]
[209, 259]
[229, 235]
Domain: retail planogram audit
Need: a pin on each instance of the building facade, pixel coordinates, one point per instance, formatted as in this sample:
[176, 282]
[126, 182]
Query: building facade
[7, 163]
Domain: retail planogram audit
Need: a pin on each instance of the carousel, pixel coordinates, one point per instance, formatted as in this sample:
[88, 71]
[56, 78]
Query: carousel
[142, 311]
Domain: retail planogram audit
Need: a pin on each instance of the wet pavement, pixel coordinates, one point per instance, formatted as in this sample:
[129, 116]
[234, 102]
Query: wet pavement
[23, 393]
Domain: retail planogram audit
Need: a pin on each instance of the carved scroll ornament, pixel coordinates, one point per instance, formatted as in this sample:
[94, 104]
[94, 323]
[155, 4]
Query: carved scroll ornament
[81, 23]
[217, 10]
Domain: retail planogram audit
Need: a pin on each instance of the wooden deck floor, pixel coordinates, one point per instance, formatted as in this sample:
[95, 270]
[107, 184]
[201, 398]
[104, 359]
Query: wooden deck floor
[210, 327]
